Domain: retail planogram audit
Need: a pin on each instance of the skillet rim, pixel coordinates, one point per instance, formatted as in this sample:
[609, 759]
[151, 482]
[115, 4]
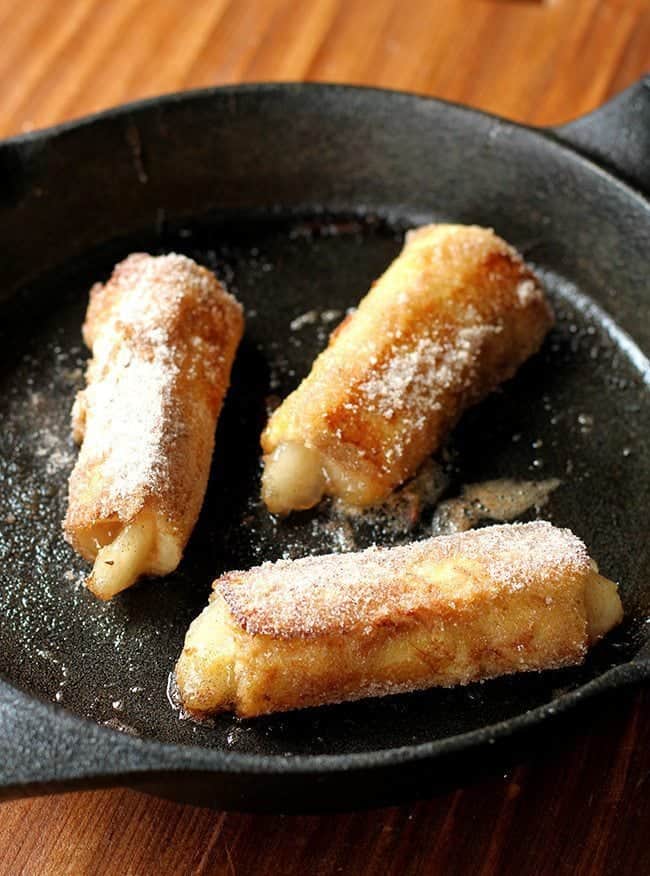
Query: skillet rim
[200, 758]
[195, 757]
[551, 134]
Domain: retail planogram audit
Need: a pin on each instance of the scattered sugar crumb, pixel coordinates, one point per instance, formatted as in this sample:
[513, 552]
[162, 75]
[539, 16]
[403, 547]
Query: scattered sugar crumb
[308, 318]
[528, 291]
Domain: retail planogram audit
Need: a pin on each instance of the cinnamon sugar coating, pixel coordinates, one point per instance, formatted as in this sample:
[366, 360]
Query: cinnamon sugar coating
[451, 318]
[163, 333]
[443, 611]
[344, 593]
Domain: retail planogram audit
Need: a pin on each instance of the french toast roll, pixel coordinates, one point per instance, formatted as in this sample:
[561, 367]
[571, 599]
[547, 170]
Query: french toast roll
[163, 334]
[440, 612]
[451, 318]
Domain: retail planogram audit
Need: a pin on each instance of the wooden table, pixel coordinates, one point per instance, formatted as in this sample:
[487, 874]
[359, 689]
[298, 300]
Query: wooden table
[582, 806]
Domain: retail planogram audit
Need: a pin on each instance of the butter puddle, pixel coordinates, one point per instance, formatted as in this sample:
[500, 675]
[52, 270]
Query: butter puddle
[502, 500]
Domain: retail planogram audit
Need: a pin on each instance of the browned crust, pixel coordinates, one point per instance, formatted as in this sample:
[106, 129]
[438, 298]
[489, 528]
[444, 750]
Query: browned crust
[189, 319]
[474, 643]
[451, 286]
[440, 612]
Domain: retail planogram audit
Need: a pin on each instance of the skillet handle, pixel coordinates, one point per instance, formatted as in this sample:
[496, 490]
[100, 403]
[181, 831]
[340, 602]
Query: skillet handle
[41, 749]
[44, 749]
[617, 135]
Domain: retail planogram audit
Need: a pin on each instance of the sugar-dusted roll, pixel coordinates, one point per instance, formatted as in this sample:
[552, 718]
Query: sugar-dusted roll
[453, 316]
[163, 333]
[444, 611]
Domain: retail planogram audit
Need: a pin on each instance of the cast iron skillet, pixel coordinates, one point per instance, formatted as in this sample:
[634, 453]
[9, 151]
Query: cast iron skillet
[297, 195]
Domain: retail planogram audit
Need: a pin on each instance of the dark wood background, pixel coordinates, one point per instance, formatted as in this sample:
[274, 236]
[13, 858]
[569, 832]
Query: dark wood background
[578, 804]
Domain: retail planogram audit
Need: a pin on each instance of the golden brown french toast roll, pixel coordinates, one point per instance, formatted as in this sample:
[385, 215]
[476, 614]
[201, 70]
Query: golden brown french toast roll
[163, 334]
[440, 612]
[452, 317]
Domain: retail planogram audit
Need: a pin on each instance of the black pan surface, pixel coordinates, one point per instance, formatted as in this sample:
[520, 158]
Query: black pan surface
[298, 219]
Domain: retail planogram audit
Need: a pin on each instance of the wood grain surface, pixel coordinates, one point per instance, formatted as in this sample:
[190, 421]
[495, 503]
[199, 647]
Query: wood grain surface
[581, 804]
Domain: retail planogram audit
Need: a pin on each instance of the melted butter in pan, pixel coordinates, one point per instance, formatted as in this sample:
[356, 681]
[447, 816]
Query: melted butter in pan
[502, 500]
